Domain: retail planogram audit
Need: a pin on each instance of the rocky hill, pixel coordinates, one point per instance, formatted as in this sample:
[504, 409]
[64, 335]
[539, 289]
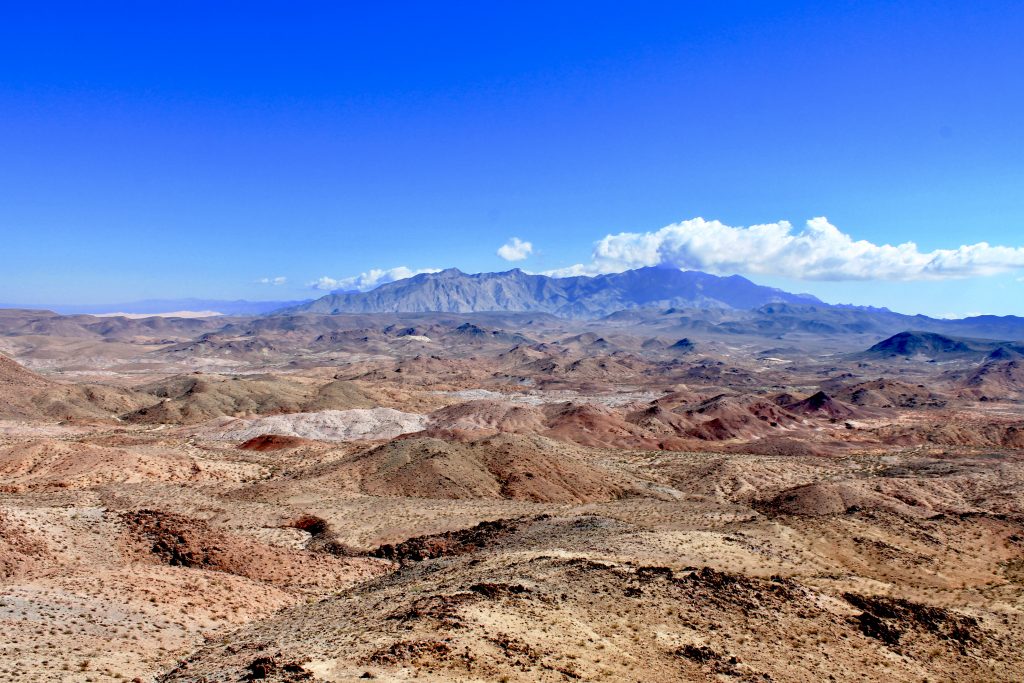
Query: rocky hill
[937, 346]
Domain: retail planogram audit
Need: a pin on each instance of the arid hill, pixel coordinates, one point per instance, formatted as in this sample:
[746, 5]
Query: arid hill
[25, 395]
[189, 399]
[937, 346]
[660, 494]
[996, 379]
[888, 393]
[506, 466]
[515, 609]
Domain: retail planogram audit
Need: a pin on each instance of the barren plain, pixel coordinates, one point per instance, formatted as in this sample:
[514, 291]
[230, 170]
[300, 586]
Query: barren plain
[506, 497]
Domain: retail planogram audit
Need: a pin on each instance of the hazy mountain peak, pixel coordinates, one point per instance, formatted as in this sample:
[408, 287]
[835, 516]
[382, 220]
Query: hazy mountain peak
[447, 272]
[454, 291]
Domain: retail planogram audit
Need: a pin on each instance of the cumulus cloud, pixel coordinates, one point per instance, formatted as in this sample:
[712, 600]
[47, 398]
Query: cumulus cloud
[515, 250]
[279, 280]
[368, 280]
[820, 251]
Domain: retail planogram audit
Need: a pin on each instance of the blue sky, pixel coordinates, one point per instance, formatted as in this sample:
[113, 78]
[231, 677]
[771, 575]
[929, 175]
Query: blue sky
[160, 150]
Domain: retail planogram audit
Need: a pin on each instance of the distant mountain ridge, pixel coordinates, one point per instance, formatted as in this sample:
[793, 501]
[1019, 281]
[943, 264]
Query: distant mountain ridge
[452, 291]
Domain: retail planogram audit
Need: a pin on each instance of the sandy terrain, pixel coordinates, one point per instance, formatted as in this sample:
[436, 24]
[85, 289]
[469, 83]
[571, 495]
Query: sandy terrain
[335, 498]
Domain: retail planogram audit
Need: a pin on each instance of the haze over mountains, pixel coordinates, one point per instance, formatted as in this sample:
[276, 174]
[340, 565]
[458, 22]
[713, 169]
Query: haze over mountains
[700, 301]
[158, 306]
[682, 303]
[453, 291]
[690, 301]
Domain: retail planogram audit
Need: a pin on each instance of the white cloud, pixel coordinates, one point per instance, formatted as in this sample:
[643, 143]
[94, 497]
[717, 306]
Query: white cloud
[279, 280]
[325, 283]
[368, 280]
[515, 250]
[818, 252]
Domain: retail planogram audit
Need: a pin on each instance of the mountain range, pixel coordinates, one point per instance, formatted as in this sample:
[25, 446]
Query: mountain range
[689, 302]
[695, 300]
[452, 291]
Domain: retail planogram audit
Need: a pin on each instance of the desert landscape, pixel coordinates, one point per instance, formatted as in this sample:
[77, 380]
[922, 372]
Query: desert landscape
[484, 342]
[653, 494]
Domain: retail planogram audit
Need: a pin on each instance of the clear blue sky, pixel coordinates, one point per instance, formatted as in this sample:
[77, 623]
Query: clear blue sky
[176, 149]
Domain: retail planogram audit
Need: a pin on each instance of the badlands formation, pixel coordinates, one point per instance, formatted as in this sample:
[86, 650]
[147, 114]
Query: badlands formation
[654, 495]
